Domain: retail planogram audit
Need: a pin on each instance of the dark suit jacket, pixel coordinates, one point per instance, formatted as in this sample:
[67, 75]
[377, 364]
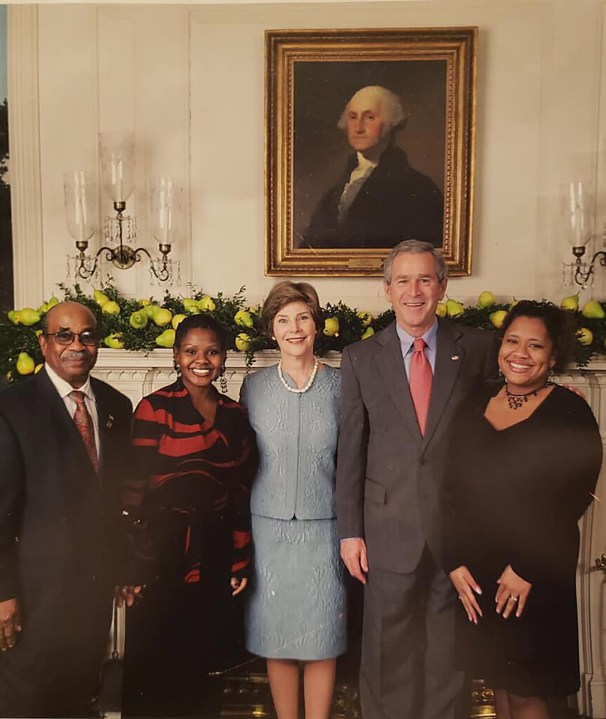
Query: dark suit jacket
[395, 203]
[58, 544]
[389, 476]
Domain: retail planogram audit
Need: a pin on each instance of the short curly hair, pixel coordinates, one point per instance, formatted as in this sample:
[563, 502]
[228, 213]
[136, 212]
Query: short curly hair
[558, 323]
[200, 322]
[283, 294]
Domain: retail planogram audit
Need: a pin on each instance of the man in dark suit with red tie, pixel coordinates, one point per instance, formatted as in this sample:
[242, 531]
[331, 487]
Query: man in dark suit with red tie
[64, 440]
[399, 391]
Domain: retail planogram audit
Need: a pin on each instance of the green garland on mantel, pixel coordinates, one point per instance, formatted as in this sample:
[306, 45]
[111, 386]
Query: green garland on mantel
[144, 325]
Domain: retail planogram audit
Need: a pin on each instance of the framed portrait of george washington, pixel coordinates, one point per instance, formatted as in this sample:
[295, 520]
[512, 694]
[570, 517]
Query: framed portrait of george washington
[369, 141]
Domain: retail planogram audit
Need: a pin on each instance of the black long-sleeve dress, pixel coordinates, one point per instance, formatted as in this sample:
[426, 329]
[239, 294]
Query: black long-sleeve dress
[191, 485]
[514, 497]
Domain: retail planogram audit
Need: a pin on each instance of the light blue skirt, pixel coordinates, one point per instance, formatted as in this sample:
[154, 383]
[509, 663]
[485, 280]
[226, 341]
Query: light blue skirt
[296, 608]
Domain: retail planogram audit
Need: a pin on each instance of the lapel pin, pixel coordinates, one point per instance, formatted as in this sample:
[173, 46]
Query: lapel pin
[110, 422]
[455, 358]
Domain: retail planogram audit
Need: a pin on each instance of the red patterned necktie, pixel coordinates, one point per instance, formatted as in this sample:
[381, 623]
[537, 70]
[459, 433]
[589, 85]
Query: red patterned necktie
[420, 382]
[84, 424]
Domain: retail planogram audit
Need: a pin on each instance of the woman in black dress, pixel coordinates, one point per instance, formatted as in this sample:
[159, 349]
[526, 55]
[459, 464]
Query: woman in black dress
[195, 458]
[524, 464]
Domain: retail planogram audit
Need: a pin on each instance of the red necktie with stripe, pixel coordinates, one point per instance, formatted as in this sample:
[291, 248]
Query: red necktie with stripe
[420, 382]
[84, 424]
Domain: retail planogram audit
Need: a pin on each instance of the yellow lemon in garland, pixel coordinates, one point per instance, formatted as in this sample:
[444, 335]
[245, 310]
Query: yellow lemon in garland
[366, 318]
[486, 299]
[114, 341]
[111, 308]
[368, 332]
[100, 297]
[162, 317]
[177, 319]
[243, 318]
[25, 364]
[570, 303]
[331, 327]
[166, 339]
[207, 304]
[497, 318]
[454, 308]
[191, 306]
[242, 341]
[585, 336]
[592, 310]
[28, 316]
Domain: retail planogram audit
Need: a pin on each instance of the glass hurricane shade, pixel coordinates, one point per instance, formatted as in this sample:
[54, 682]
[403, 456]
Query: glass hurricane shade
[166, 201]
[117, 155]
[577, 210]
[80, 203]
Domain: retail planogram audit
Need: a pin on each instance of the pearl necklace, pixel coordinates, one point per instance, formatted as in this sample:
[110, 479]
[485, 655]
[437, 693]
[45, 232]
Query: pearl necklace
[308, 384]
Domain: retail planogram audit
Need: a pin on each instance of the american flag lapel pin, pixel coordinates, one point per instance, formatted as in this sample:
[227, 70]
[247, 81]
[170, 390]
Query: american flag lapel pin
[110, 421]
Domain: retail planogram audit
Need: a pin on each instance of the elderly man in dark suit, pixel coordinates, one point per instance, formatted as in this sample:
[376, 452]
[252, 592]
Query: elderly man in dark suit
[400, 389]
[380, 199]
[62, 455]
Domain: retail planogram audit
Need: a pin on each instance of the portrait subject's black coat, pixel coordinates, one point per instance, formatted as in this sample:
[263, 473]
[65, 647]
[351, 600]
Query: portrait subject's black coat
[59, 546]
[395, 203]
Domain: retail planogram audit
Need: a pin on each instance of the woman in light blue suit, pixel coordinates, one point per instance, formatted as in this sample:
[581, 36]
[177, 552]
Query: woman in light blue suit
[296, 611]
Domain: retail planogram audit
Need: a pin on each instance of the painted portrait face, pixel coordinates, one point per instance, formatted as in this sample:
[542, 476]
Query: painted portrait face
[365, 122]
[71, 360]
[526, 355]
[200, 357]
[295, 330]
[414, 291]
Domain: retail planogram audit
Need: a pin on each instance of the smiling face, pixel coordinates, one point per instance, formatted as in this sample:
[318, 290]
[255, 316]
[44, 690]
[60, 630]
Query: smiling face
[200, 358]
[74, 361]
[295, 330]
[526, 355]
[414, 291]
[366, 124]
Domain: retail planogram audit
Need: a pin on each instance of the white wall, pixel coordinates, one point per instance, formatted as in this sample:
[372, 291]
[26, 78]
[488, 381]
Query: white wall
[188, 80]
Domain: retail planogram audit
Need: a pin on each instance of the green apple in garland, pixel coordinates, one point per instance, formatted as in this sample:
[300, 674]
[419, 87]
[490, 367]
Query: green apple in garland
[138, 320]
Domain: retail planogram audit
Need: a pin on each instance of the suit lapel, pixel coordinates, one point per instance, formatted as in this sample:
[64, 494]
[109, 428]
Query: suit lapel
[68, 439]
[450, 356]
[391, 366]
[105, 419]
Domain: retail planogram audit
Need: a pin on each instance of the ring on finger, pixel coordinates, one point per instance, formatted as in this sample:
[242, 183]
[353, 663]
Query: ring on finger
[513, 598]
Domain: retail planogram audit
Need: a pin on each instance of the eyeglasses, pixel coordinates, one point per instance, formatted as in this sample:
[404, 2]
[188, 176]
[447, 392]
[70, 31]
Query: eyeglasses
[66, 337]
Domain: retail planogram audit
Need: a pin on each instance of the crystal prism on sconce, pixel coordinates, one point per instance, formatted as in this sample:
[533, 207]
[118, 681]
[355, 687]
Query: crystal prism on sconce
[577, 207]
[117, 158]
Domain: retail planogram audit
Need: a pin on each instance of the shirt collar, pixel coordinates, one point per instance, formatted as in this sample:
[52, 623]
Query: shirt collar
[407, 340]
[64, 388]
[366, 164]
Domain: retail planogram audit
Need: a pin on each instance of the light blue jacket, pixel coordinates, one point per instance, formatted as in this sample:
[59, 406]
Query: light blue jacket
[297, 437]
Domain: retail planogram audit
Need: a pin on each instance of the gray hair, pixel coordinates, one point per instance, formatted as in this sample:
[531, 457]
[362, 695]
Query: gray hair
[391, 105]
[415, 247]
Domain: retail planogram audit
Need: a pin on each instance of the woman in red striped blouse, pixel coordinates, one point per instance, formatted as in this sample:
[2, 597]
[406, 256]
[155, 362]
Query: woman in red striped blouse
[195, 458]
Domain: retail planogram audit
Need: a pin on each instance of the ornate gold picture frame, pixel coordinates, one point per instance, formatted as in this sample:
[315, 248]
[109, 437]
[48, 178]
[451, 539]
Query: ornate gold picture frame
[421, 186]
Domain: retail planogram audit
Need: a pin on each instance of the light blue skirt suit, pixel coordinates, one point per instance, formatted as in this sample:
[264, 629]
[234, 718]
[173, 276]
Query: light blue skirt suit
[297, 605]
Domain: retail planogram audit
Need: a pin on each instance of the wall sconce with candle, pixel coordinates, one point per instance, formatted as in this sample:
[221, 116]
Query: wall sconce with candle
[117, 160]
[577, 207]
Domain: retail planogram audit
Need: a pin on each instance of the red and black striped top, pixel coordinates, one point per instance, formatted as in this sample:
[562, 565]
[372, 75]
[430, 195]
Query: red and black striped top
[187, 466]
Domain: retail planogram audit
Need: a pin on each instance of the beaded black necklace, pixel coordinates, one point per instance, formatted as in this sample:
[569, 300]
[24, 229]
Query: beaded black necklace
[515, 401]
